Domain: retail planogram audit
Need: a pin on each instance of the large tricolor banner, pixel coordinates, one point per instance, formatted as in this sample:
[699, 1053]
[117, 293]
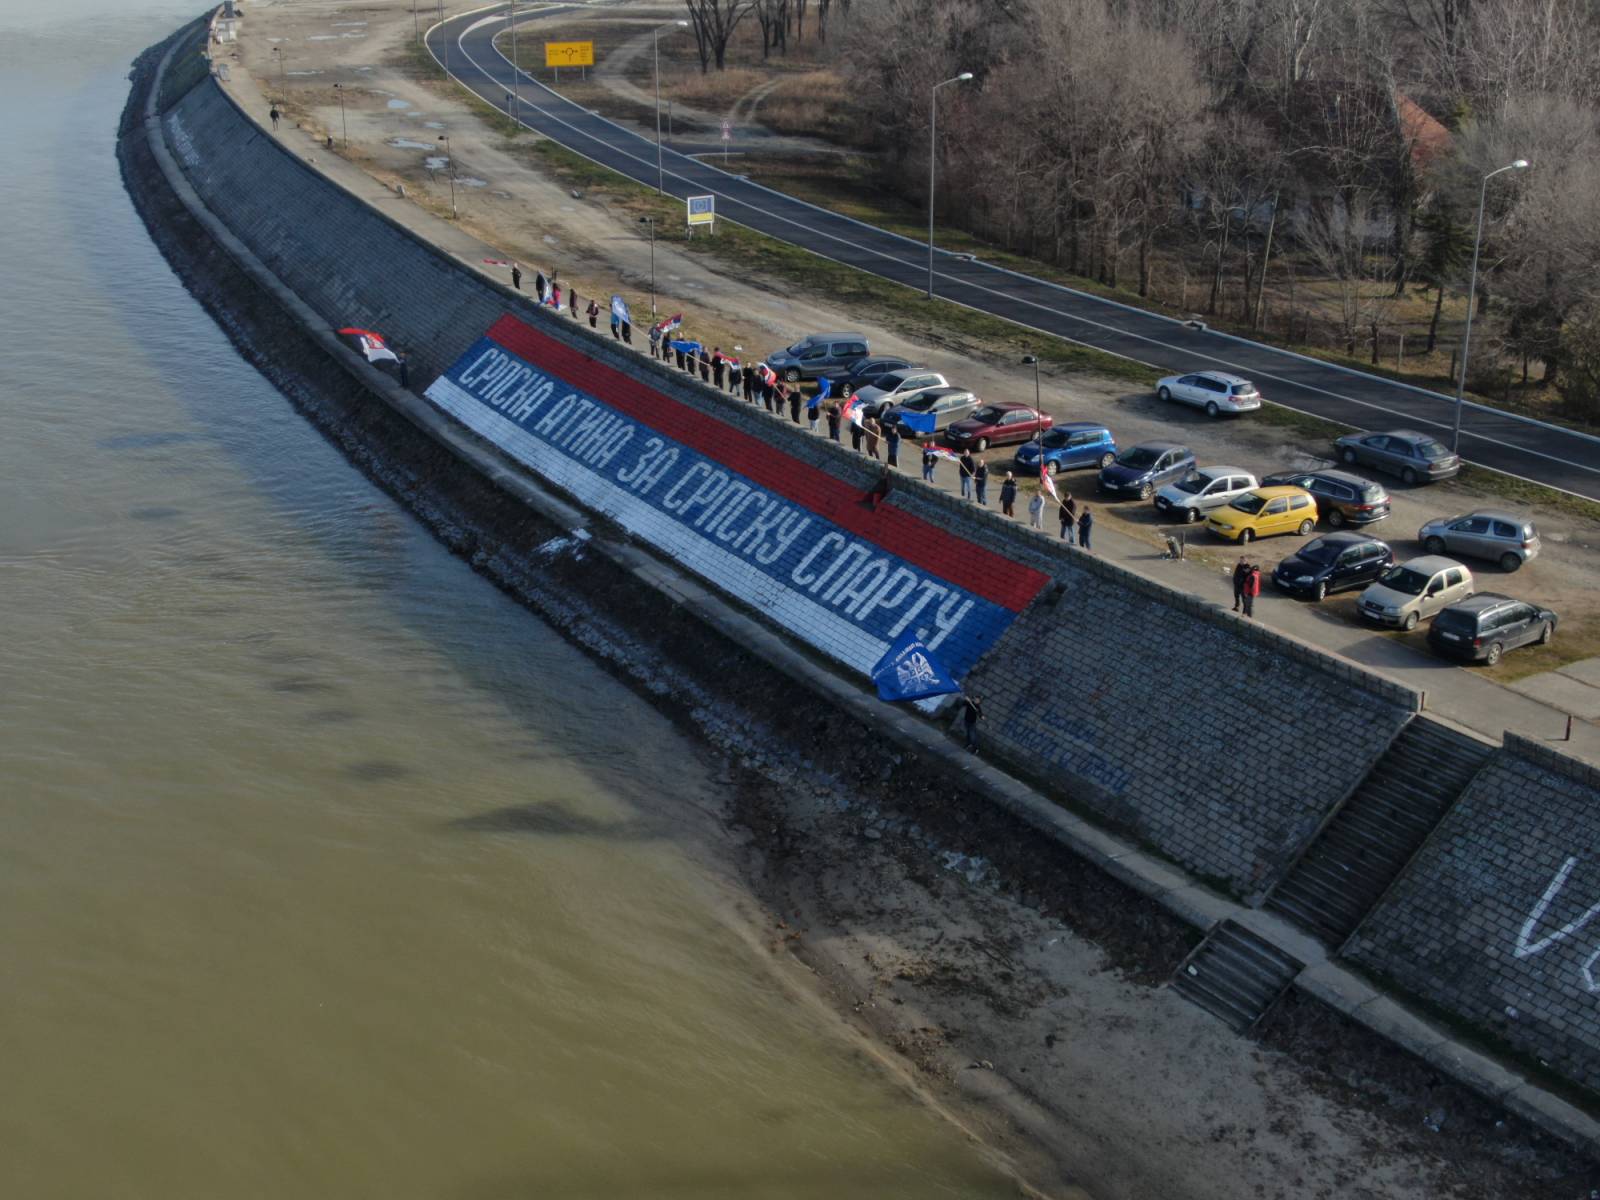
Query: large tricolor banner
[785, 537]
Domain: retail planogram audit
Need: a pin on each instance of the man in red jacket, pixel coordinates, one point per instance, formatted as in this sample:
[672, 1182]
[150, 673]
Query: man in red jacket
[1251, 589]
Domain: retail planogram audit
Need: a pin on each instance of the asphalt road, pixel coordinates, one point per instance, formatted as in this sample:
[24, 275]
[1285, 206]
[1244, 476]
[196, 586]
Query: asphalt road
[1491, 438]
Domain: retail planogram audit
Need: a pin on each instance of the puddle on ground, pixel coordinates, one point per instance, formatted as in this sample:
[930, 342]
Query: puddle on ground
[302, 72]
[398, 104]
[469, 181]
[408, 144]
[552, 239]
[323, 37]
[436, 162]
[342, 24]
[429, 124]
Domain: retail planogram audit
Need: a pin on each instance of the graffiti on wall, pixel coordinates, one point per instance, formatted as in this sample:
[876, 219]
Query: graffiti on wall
[1530, 943]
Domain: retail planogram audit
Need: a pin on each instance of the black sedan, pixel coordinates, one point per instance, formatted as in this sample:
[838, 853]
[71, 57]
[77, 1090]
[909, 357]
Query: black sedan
[864, 374]
[1333, 563]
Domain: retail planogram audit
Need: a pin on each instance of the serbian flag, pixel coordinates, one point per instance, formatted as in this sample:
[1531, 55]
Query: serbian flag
[1046, 484]
[670, 324]
[733, 363]
[852, 410]
[943, 452]
[768, 375]
[371, 344]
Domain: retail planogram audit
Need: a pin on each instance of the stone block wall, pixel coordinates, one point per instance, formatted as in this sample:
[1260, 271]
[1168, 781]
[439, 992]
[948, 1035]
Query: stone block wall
[1111, 689]
[1497, 919]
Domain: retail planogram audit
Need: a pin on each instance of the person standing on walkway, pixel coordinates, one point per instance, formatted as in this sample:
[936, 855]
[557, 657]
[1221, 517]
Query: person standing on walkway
[516, 276]
[966, 468]
[705, 366]
[1008, 495]
[1085, 527]
[572, 302]
[891, 443]
[834, 417]
[1036, 511]
[593, 313]
[980, 481]
[971, 714]
[404, 364]
[872, 429]
[1251, 589]
[814, 411]
[930, 461]
[794, 403]
[1067, 513]
[274, 114]
[1240, 570]
[718, 366]
[856, 433]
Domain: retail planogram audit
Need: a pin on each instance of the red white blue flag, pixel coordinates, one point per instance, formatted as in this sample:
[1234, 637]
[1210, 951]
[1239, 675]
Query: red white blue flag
[371, 344]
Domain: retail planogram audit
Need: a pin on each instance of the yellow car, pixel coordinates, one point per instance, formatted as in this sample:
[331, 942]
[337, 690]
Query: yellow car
[1264, 512]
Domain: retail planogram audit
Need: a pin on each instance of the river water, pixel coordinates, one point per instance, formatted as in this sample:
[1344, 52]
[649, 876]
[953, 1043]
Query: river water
[325, 870]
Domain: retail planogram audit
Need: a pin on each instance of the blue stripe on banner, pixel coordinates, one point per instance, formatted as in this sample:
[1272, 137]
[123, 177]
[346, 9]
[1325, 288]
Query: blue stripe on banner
[835, 590]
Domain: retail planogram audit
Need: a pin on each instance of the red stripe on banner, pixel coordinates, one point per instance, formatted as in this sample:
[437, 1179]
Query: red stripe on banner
[921, 543]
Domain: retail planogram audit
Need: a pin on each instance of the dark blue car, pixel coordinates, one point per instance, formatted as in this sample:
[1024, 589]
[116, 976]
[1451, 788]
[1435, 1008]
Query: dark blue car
[1069, 447]
[1140, 470]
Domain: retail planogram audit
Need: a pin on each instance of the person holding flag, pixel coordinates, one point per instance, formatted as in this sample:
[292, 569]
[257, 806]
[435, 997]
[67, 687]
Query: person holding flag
[814, 408]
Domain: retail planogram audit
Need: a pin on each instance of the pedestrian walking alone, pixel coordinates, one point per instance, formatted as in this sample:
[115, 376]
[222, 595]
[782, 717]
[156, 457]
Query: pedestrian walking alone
[1251, 589]
[1008, 495]
[1085, 527]
[930, 461]
[891, 443]
[274, 114]
[966, 468]
[971, 714]
[980, 481]
[1240, 570]
[516, 276]
[834, 417]
[1036, 511]
[873, 430]
[593, 313]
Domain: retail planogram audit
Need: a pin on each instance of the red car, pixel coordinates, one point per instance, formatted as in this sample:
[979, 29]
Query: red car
[997, 425]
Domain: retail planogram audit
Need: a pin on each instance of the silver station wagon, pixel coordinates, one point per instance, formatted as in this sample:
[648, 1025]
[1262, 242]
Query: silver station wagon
[1500, 537]
[1213, 391]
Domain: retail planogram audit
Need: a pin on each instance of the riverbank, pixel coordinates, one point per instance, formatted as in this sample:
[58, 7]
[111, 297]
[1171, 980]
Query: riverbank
[819, 789]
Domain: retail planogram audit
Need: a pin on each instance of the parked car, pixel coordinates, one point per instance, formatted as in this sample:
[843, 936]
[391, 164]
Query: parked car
[1213, 391]
[896, 388]
[1415, 457]
[1263, 512]
[1342, 498]
[1067, 447]
[819, 354]
[1498, 536]
[1334, 562]
[864, 373]
[1207, 488]
[1140, 470]
[930, 412]
[997, 425]
[1482, 628]
[1414, 590]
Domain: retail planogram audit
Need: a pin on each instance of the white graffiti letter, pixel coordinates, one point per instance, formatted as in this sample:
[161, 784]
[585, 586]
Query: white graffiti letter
[1524, 948]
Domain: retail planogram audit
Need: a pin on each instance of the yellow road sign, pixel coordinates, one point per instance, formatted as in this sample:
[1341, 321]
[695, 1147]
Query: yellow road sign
[569, 54]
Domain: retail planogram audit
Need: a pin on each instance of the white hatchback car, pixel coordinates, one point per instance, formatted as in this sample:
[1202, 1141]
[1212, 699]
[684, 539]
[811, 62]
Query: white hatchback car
[1207, 488]
[1213, 391]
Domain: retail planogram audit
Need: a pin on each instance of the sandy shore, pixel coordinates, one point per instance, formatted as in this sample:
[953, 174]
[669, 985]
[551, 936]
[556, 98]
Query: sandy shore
[1011, 988]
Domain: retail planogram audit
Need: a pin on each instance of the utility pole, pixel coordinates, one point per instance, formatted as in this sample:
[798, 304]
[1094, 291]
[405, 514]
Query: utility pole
[933, 160]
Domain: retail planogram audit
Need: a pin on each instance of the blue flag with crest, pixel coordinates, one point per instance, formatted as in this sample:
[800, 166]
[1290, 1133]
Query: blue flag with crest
[909, 671]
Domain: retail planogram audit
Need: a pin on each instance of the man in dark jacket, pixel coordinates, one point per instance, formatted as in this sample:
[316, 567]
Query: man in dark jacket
[717, 366]
[891, 443]
[966, 468]
[794, 404]
[1069, 519]
[1008, 495]
[971, 714]
[980, 481]
[1240, 570]
[1085, 527]
[856, 433]
[834, 417]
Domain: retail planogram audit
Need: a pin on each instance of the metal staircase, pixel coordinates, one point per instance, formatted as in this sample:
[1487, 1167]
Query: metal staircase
[1235, 975]
[1368, 842]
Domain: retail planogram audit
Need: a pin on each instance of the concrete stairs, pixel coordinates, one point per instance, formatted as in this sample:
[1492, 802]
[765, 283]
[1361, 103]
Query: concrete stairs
[1370, 839]
[1235, 975]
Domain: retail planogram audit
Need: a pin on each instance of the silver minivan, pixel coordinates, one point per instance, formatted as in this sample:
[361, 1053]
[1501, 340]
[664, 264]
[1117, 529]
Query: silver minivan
[818, 354]
[1500, 537]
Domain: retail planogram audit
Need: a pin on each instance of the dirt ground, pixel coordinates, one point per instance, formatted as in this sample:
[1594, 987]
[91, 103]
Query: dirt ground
[1023, 992]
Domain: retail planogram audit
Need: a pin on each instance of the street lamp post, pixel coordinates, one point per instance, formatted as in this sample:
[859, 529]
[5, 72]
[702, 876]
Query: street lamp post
[651, 221]
[450, 161]
[278, 52]
[1032, 360]
[344, 124]
[933, 159]
[656, 40]
[416, 27]
[1472, 299]
[516, 65]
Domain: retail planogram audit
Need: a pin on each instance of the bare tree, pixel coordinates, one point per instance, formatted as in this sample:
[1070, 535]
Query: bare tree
[713, 22]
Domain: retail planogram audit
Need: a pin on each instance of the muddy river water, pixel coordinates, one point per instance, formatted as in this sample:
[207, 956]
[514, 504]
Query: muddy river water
[325, 870]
